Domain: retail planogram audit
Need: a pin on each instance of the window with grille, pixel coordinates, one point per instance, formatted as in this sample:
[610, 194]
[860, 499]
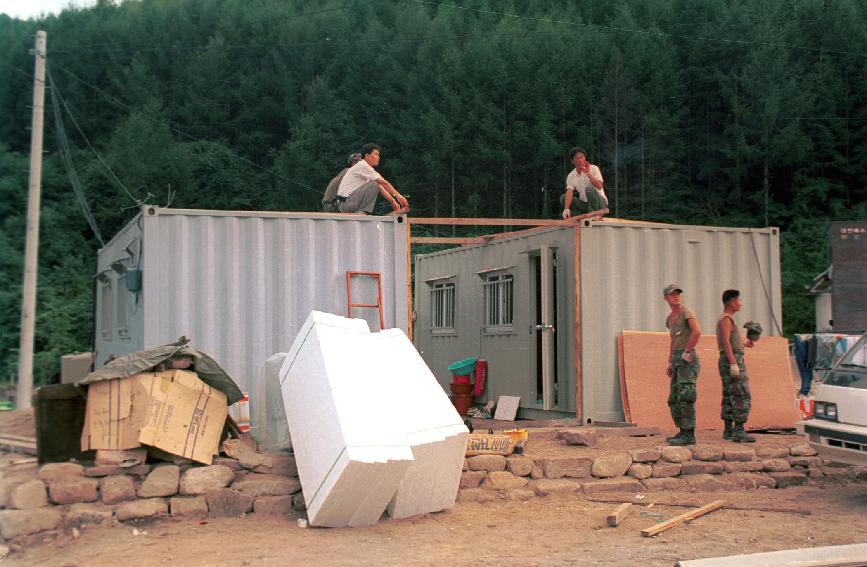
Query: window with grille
[442, 305]
[499, 301]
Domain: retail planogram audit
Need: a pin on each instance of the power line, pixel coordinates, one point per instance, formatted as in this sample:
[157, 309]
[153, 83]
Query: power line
[66, 154]
[226, 150]
[111, 173]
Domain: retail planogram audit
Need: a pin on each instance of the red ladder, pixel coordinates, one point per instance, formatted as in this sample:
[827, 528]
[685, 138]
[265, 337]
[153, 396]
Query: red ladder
[378, 305]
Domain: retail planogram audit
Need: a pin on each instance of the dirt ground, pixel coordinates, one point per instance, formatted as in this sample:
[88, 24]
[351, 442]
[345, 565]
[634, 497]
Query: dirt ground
[562, 530]
[557, 530]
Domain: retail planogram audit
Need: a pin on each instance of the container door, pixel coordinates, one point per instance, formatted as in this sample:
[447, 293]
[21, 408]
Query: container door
[545, 328]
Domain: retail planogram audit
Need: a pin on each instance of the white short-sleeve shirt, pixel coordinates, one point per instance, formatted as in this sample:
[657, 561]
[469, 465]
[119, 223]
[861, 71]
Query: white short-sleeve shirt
[358, 175]
[580, 183]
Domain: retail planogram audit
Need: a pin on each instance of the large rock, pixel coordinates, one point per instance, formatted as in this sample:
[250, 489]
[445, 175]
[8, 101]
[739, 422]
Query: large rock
[55, 471]
[622, 484]
[519, 494]
[228, 503]
[610, 466]
[644, 455]
[787, 479]
[544, 487]
[14, 523]
[585, 437]
[567, 467]
[267, 485]
[162, 481]
[537, 473]
[201, 480]
[640, 471]
[251, 459]
[675, 454]
[740, 454]
[745, 481]
[503, 480]
[188, 506]
[98, 471]
[273, 505]
[227, 462]
[487, 463]
[667, 483]
[749, 466]
[117, 488]
[88, 514]
[776, 465]
[802, 450]
[836, 473]
[662, 469]
[700, 467]
[144, 508]
[772, 452]
[707, 452]
[73, 489]
[519, 466]
[806, 462]
[476, 495]
[472, 479]
[29, 495]
[283, 465]
[705, 483]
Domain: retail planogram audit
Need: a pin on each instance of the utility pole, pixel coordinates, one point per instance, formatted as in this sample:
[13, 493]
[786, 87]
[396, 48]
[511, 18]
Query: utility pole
[28, 299]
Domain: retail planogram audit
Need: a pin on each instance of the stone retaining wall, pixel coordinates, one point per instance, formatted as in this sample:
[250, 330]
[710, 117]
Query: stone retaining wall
[69, 495]
[697, 468]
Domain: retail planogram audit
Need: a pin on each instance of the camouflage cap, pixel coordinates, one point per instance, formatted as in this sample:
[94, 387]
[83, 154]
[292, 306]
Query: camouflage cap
[671, 288]
[754, 330]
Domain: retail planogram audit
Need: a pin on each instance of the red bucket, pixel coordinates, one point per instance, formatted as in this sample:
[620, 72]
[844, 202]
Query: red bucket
[461, 379]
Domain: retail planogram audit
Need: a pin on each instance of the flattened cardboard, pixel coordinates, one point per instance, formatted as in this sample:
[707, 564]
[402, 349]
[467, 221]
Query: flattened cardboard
[507, 407]
[173, 411]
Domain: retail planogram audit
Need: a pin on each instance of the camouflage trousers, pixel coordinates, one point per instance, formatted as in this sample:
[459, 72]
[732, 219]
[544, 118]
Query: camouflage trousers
[736, 399]
[681, 392]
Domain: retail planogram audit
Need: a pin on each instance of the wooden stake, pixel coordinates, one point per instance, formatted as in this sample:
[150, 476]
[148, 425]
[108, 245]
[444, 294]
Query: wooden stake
[691, 515]
[686, 504]
[619, 514]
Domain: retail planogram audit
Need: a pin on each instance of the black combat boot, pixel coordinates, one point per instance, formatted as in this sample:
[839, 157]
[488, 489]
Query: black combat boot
[740, 436]
[727, 432]
[687, 437]
[677, 435]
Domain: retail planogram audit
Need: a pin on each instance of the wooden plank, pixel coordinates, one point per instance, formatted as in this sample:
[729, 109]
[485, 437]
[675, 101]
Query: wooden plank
[681, 503]
[445, 240]
[409, 297]
[677, 520]
[483, 221]
[619, 514]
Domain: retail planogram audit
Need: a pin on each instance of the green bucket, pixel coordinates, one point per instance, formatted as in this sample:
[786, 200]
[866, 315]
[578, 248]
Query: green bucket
[463, 367]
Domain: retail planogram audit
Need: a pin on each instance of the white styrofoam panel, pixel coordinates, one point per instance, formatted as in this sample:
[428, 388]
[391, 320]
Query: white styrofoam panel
[434, 429]
[350, 455]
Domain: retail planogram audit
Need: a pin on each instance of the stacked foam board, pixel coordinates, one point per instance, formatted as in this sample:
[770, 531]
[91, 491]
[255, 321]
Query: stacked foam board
[371, 428]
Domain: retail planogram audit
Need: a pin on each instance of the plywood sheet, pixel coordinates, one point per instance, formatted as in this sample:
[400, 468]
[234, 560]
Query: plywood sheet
[644, 384]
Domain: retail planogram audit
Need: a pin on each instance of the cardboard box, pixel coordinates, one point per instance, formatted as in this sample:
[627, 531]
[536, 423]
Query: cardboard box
[173, 411]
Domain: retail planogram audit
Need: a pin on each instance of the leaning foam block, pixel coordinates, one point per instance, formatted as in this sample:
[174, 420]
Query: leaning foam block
[434, 430]
[351, 456]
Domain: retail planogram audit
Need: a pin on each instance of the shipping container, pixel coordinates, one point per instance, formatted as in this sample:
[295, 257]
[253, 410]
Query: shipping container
[241, 284]
[545, 306]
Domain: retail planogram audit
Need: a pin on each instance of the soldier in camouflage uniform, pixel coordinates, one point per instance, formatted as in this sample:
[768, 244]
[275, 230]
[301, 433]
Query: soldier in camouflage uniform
[683, 365]
[736, 398]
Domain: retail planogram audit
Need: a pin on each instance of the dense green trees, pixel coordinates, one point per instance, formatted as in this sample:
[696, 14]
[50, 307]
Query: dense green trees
[735, 112]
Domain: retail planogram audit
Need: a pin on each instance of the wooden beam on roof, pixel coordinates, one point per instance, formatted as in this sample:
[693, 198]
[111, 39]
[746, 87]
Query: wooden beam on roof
[480, 221]
[445, 240]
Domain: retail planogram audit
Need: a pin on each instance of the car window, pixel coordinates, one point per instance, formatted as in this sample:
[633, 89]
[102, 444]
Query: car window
[847, 379]
[857, 355]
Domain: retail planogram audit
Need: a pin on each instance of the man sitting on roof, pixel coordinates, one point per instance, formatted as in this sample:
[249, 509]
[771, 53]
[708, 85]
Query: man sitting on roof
[359, 187]
[586, 179]
[329, 200]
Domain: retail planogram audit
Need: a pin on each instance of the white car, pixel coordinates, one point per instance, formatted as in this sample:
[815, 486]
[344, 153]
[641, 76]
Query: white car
[838, 430]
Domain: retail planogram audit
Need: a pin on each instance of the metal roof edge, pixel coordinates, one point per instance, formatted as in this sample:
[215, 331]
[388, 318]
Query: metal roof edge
[659, 225]
[120, 232]
[153, 211]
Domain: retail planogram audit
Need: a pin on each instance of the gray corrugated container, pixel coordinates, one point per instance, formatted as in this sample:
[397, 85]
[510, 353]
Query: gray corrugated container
[621, 269]
[241, 284]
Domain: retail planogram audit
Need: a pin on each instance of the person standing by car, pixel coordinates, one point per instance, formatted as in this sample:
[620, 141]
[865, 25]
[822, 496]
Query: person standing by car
[736, 399]
[683, 365]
